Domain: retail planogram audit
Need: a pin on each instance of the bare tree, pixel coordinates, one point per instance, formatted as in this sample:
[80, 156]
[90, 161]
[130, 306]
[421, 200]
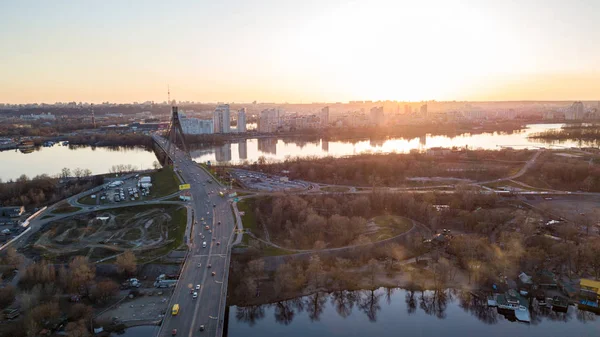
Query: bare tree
[127, 263]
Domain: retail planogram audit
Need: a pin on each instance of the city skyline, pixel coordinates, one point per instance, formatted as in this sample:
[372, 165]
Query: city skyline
[299, 52]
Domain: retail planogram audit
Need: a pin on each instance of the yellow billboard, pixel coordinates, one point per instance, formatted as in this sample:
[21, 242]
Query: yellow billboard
[184, 187]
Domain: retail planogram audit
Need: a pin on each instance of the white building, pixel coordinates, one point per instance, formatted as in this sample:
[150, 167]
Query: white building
[196, 126]
[241, 120]
[576, 112]
[145, 182]
[221, 120]
[42, 116]
[269, 120]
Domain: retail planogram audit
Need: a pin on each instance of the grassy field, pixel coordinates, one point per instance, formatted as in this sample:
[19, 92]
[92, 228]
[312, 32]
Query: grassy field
[390, 226]
[248, 219]
[87, 200]
[164, 182]
[65, 210]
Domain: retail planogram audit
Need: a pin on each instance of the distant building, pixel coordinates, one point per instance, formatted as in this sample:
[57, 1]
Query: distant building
[377, 116]
[241, 120]
[575, 112]
[196, 126]
[324, 117]
[423, 110]
[438, 151]
[12, 211]
[42, 116]
[221, 119]
[269, 120]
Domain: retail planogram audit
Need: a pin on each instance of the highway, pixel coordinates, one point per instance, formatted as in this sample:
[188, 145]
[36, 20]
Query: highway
[207, 309]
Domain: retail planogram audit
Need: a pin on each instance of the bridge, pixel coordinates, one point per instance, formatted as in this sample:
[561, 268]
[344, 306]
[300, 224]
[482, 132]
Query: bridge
[205, 268]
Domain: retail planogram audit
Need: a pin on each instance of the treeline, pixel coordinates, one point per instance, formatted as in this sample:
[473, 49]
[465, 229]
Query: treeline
[589, 133]
[564, 173]
[393, 169]
[111, 139]
[307, 222]
[43, 189]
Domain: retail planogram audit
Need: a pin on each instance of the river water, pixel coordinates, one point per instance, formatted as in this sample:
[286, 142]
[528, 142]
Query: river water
[279, 149]
[398, 312]
[50, 160]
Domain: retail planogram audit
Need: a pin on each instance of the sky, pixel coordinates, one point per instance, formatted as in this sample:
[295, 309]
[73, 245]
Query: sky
[298, 51]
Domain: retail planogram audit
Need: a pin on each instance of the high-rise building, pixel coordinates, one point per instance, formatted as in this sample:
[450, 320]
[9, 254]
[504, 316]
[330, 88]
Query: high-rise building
[241, 120]
[324, 117]
[423, 110]
[221, 119]
[267, 145]
[377, 116]
[575, 112]
[268, 120]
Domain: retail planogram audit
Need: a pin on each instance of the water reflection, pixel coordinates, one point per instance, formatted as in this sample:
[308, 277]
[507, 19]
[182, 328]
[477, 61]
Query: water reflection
[415, 312]
[274, 148]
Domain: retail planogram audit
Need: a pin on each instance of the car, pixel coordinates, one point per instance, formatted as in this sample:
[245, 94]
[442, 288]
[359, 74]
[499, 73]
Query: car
[195, 294]
[218, 243]
[209, 265]
[173, 332]
[213, 273]
[218, 222]
[206, 227]
[204, 244]
[197, 287]
[214, 205]
[210, 230]
[199, 265]
[207, 213]
[202, 236]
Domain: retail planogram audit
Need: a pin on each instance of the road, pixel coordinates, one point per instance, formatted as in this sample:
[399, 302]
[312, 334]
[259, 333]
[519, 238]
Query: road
[208, 308]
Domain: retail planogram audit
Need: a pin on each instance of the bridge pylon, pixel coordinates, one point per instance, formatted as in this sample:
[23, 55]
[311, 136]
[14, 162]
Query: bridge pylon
[175, 134]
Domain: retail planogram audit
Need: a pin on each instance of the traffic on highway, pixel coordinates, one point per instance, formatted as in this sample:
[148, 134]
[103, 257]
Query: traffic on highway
[199, 296]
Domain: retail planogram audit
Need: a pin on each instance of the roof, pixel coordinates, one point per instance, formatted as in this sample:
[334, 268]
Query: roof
[590, 284]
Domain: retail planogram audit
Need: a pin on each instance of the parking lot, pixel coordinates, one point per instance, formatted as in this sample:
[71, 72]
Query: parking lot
[266, 182]
[118, 191]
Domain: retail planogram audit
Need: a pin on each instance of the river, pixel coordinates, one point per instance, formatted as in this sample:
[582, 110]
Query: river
[51, 160]
[279, 149]
[399, 312]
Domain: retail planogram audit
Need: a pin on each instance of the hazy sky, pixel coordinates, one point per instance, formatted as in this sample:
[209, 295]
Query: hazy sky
[299, 51]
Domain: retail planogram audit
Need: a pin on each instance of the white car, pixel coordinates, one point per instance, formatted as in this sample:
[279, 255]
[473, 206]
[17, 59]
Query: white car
[197, 287]
[204, 244]
[195, 295]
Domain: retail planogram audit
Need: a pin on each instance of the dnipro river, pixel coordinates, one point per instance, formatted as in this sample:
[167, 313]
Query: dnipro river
[395, 312]
[50, 160]
[279, 149]
[399, 312]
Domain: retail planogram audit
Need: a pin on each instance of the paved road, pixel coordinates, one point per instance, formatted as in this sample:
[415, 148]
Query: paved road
[207, 309]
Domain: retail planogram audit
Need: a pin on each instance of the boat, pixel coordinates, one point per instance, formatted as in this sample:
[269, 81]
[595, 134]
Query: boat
[560, 304]
[512, 303]
[65, 143]
[26, 144]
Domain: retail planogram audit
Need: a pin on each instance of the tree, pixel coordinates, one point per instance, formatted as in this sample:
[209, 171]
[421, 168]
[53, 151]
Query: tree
[82, 274]
[7, 296]
[156, 165]
[127, 263]
[77, 329]
[285, 278]
[65, 173]
[12, 258]
[105, 290]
